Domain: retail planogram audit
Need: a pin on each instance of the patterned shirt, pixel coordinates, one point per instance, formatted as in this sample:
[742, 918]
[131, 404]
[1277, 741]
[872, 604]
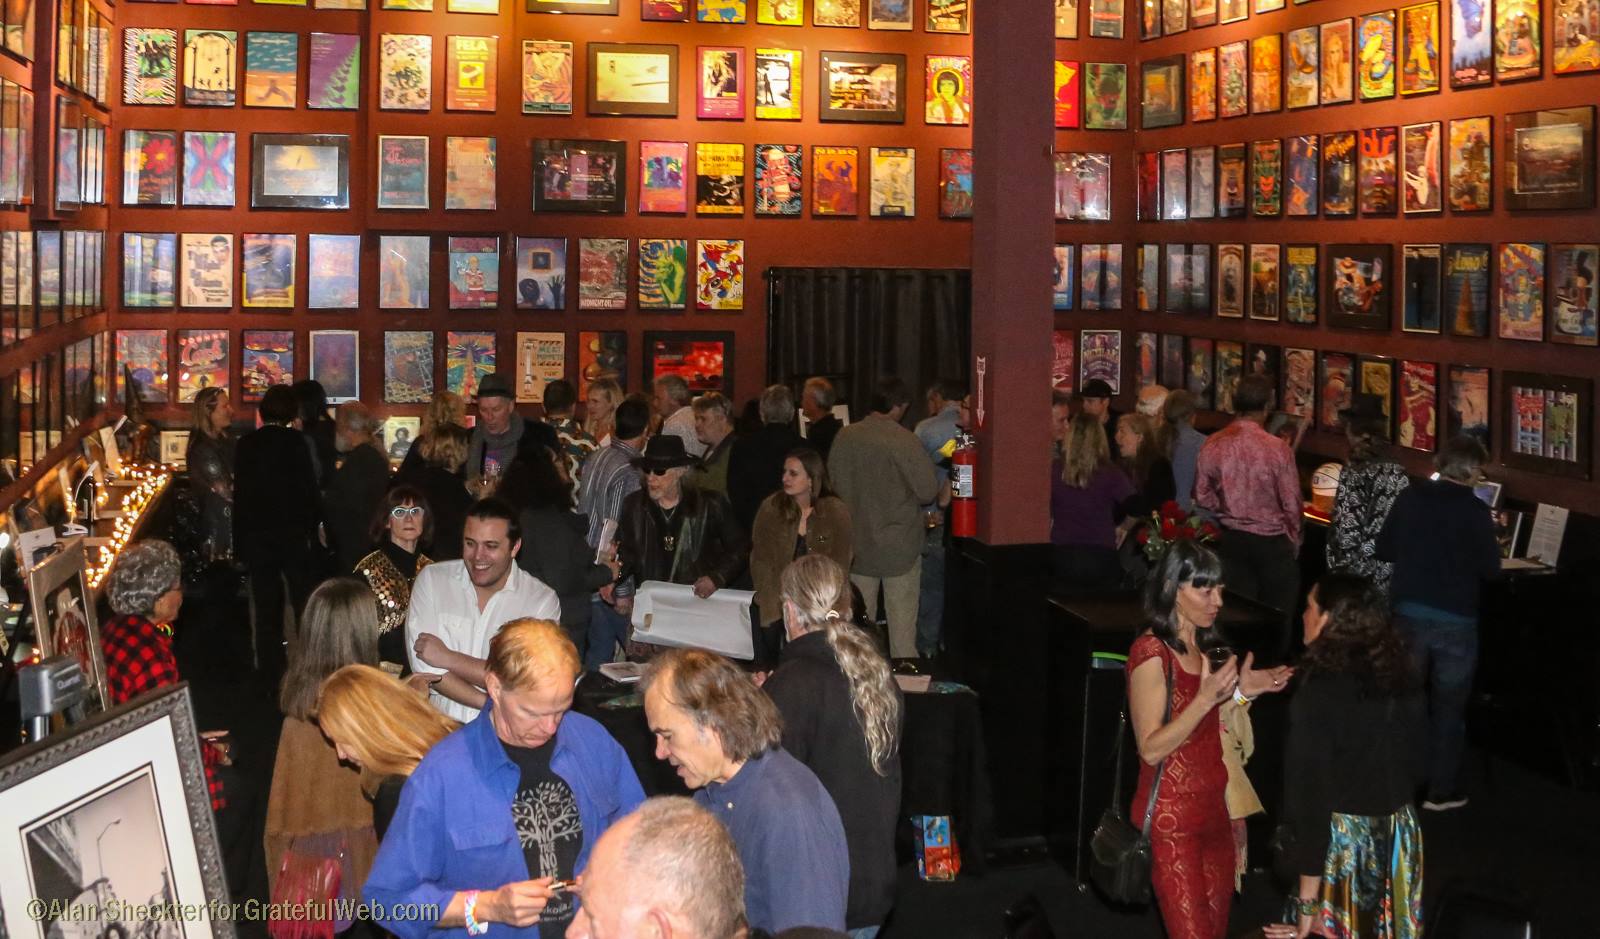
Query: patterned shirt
[608, 478]
[138, 659]
[1247, 479]
[576, 444]
[1366, 494]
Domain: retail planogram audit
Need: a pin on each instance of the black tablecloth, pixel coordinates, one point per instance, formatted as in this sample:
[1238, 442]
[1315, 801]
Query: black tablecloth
[941, 757]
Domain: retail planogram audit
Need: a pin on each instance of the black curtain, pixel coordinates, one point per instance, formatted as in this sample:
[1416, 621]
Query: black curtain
[854, 326]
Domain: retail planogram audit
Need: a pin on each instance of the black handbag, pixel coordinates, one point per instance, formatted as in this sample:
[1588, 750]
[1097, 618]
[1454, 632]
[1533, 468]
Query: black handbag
[1119, 854]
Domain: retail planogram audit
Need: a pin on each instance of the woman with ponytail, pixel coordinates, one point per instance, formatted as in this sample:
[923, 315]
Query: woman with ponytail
[842, 717]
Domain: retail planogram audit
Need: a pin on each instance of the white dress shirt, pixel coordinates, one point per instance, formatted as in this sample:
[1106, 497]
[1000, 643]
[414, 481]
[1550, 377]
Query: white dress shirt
[445, 603]
[681, 424]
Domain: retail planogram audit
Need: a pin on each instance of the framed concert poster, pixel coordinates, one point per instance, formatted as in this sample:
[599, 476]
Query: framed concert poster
[580, 176]
[1547, 420]
[633, 78]
[1359, 293]
[704, 360]
[1550, 159]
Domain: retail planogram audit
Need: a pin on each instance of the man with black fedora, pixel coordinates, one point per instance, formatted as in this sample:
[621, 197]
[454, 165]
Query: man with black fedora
[672, 531]
[1096, 397]
[500, 429]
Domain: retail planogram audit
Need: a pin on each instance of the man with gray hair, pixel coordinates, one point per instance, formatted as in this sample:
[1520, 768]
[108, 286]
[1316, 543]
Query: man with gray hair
[755, 470]
[356, 488]
[1151, 400]
[713, 426]
[670, 867]
[677, 416]
[816, 403]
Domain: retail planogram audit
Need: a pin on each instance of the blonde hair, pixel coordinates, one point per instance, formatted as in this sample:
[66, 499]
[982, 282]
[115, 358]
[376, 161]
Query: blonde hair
[1085, 451]
[445, 407]
[599, 425]
[386, 726]
[338, 628]
[447, 446]
[528, 651]
[818, 591]
[205, 402]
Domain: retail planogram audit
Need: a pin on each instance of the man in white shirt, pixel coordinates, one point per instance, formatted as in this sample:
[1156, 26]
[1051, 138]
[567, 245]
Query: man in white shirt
[458, 606]
[677, 415]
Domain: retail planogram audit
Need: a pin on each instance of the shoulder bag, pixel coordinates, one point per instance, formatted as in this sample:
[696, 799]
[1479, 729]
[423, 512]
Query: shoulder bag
[1119, 854]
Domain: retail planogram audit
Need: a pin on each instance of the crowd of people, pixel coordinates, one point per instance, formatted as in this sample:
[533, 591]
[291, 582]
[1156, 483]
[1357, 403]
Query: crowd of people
[427, 631]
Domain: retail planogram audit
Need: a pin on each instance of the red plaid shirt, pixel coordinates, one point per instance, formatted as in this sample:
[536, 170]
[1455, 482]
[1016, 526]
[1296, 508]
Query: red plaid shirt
[139, 658]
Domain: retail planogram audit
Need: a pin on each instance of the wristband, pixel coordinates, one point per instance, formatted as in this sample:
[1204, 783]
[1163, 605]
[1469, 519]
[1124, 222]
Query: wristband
[468, 905]
[1310, 907]
[1239, 698]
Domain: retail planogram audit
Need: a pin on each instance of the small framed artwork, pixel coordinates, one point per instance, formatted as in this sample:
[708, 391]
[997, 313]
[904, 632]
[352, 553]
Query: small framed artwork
[1148, 203]
[1471, 43]
[333, 272]
[719, 178]
[1302, 77]
[1173, 365]
[863, 87]
[1229, 369]
[1233, 79]
[268, 262]
[779, 169]
[704, 360]
[633, 78]
[1201, 369]
[1339, 177]
[336, 363]
[1299, 394]
[1358, 286]
[719, 274]
[1336, 64]
[1188, 279]
[65, 623]
[1419, 309]
[951, 16]
[405, 72]
[474, 272]
[1202, 13]
[1336, 384]
[1231, 283]
[1149, 19]
[469, 354]
[1465, 297]
[719, 83]
[1174, 185]
[1203, 85]
[541, 273]
[1378, 167]
[890, 14]
[1547, 420]
[403, 265]
[663, 177]
[1144, 360]
[149, 167]
[955, 183]
[1575, 48]
[1304, 192]
[835, 181]
[1265, 274]
[844, 14]
[1147, 278]
[471, 73]
[893, 192]
[588, 7]
[664, 11]
[1375, 375]
[1471, 173]
[949, 90]
[1083, 186]
[1573, 305]
[1375, 38]
[1417, 406]
[206, 269]
[1421, 168]
[1202, 182]
[778, 84]
[1105, 96]
[208, 168]
[1550, 159]
[1101, 277]
[299, 171]
[663, 273]
[1161, 98]
[1266, 178]
[469, 174]
[1266, 73]
[546, 76]
[149, 268]
[1062, 271]
[1518, 40]
[1069, 75]
[1419, 36]
[1105, 18]
[580, 176]
[1233, 188]
[271, 69]
[266, 358]
[1174, 17]
[1521, 296]
[781, 12]
[407, 366]
[1100, 357]
[602, 355]
[1467, 404]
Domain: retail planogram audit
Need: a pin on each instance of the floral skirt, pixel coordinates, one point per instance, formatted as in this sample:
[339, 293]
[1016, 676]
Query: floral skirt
[1372, 878]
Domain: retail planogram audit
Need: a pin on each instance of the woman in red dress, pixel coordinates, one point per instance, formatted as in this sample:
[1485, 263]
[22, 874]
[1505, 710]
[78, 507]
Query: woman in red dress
[1191, 836]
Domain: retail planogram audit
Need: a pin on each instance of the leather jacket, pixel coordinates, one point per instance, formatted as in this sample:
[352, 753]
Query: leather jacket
[709, 542]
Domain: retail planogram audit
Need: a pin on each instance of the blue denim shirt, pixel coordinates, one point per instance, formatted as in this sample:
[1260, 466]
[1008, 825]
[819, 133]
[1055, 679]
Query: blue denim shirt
[453, 830]
[939, 429]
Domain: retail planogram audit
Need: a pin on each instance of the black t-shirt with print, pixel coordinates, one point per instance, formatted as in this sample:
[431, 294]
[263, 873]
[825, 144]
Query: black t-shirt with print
[549, 829]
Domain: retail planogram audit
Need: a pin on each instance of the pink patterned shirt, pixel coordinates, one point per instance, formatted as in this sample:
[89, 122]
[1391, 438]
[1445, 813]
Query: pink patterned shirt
[1246, 477]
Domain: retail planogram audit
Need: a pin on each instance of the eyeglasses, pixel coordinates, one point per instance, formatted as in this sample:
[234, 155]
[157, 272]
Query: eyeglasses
[658, 470]
[406, 511]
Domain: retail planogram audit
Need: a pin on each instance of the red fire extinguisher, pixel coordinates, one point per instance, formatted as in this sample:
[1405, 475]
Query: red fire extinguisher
[963, 487]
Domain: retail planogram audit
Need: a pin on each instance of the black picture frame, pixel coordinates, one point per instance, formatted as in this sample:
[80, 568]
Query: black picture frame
[1514, 446]
[677, 341]
[582, 7]
[623, 106]
[1574, 188]
[1349, 297]
[550, 155]
[271, 189]
[1369, 366]
[1177, 102]
[830, 62]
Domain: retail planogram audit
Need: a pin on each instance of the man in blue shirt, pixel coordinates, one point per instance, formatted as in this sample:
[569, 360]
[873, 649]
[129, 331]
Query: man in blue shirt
[935, 432]
[503, 812]
[722, 733]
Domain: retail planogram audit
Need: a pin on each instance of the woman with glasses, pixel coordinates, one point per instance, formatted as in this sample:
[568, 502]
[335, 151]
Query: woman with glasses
[402, 525]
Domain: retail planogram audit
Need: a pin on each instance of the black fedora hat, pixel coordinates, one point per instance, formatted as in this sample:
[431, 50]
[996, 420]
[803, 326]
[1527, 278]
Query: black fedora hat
[1363, 407]
[664, 451]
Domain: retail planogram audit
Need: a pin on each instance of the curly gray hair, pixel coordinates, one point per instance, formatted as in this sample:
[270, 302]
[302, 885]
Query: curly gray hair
[145, 571]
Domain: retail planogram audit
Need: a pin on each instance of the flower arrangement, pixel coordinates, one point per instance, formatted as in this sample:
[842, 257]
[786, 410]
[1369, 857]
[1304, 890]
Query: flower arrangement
[1169, 524]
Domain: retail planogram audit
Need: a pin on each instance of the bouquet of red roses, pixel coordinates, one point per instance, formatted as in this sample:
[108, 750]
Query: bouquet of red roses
[1169, 524]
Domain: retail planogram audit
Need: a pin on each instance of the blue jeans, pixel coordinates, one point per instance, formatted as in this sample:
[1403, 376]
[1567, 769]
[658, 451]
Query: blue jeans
[930, 605]
[607, 628]
[1446, 653]
[867, 932]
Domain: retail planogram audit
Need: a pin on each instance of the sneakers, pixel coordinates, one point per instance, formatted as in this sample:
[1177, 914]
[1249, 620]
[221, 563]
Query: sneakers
[1444, 803]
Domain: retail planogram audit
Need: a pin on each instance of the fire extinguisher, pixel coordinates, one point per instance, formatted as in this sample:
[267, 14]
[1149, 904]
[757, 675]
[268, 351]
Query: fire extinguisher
[963, 487]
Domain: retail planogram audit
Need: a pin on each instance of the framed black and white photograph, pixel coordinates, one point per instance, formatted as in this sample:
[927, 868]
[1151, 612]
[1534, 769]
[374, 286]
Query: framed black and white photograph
[299, 171]
[64, 621]
[114, 812]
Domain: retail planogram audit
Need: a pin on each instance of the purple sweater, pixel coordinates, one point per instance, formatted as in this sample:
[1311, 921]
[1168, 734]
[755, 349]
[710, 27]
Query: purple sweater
[1087, 517]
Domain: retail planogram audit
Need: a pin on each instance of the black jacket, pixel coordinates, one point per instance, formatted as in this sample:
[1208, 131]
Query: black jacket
[324, 453]
[555, 549]
[819, 436]
[755, 469]
[276, 504]
[354, 493]
[820, 729]
[710, 542]
[1440, 538]
[448, 500]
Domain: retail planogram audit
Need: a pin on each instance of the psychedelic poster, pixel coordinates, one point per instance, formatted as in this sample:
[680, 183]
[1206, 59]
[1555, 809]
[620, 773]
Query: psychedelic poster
[1465, 297]
[1264, 282]
[702, 363]
[149, 269]
[1468, 408]
[1375, 375]
[1471, 43]
[1161, 99]
[469, 355]
[405, 72]
[949, 90]
[1337, 61]
[1230, 368]
[1421, 168]
[469, 173]
[1147, 277]
[1336, 380]
[664, 11]
[1100, 282]
[602, 355]
[546, 77]
[1299, 383]
[1266, 177]
[1471, 164]
[1174, 365]
[719, 274]
[1521, 296]
[1419, 405]
[402, 172]
[206, 265]
[210, 66]
[789, 13]
[602, 273]
[955, 183]
[1375, 64]
[1062, 269]
[1233, 79]
[1304, 163]
[202, 361]
[334, 79]
[1423, 279]
[1148, 203]
[474, 272]
[1199, 374]
[143, 353]
[1266, 73]
[1202, 85]
[1067, 93]
[541, 273]
[1105, 96]
[1576, 37]
[663, 273]
[1359, 293]
[336, 363]
[1419, 38]
[149, 167]
[407, 366]
[470, 73]
[403, 272]
[1302, 72]
[719, 87]
[1300, 284]
[1064, 351]
[333, 265]
[719, 178]
[1573, 306]
[1230, 280]
[778, 179]
[149, 66]
[888, 14]
[1144, 363]
[271, 69]
[1339, 153]
[541, 359]
[1517, 32]
[266, 359]
[894, 174]
[778, 84]
[720, 11]
[268, 262]
[1105, 18]
[1202, 182]
[835, 181]
[1378, 146]
[1100, 357]
[663, 176]
[208, 168]
[1083, 186]
[1174, 185]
